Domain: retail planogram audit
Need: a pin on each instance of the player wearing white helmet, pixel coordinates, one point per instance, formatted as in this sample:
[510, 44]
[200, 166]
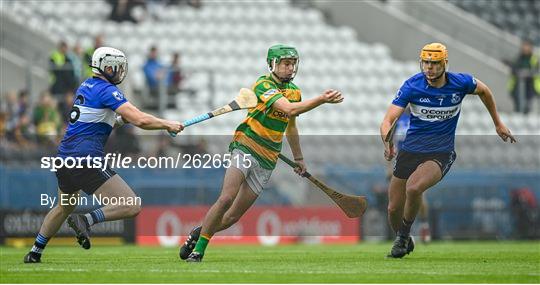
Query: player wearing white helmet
[98, 106]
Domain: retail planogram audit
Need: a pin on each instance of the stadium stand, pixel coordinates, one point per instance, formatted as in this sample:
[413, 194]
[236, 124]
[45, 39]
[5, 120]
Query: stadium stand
[331, 57]
[517, 17]
[224, 44]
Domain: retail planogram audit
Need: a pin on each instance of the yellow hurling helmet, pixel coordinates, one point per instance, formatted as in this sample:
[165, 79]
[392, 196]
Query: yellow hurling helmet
[434, 52]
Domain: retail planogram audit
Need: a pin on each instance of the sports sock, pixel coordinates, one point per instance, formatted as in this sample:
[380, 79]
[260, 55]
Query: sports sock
[95, 217]
[39, 244]
[405, 229]
[202, 243]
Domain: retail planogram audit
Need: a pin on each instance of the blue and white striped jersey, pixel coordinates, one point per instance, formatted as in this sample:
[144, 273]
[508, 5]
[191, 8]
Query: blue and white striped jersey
[434, 111]
[91, 119]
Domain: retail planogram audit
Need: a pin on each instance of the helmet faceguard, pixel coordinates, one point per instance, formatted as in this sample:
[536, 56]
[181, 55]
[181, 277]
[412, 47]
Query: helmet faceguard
[105, 57]
[278, 52]
[435, 53]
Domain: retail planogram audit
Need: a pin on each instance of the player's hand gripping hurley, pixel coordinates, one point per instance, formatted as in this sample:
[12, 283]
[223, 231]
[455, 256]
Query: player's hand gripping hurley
[352, 206]
[245, 99]
[389, 151]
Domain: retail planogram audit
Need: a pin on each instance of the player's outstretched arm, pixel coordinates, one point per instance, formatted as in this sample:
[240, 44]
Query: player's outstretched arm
[294, 109]
[391, 116]
[145, 121]
[486, 96]
[294, 142]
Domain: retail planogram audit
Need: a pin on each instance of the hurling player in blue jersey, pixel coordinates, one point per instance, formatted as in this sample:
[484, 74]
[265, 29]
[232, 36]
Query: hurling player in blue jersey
[98, 107]
[434, 96]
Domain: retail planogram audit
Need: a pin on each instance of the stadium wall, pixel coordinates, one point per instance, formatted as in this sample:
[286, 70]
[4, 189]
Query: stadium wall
[19, 227]
[467, 204]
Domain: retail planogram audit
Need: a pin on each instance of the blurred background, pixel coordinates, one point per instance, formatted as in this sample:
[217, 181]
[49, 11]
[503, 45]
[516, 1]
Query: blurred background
[187, 56]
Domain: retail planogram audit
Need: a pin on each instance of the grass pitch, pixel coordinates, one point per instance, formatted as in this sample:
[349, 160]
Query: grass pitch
[439, 262]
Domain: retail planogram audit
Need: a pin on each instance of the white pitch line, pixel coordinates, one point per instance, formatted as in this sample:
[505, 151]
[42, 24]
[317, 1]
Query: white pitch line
[195, 270]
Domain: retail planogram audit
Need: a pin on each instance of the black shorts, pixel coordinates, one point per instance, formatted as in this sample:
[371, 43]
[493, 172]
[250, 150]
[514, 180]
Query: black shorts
[407, 162]
[71, 180]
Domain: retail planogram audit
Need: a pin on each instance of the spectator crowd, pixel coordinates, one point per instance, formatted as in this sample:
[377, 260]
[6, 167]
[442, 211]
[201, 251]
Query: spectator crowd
[33, 130]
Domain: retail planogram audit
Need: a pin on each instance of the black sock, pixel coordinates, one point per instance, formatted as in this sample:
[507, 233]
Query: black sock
[405, 229]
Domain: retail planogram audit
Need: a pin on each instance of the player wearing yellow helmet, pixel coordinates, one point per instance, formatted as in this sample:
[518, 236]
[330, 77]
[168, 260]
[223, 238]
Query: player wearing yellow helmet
[434, 54]
[434, 96]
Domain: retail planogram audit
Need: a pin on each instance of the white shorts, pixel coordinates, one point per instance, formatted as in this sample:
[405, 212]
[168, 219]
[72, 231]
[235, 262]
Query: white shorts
[256, 176]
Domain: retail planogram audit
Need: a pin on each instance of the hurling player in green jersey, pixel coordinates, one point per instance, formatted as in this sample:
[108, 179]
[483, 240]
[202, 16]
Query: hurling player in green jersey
[256, 145]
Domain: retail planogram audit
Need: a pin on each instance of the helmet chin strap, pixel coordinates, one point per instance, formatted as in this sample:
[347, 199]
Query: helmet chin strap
[283, 80]
[272, 69]
[436, 78]
[109, 78]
